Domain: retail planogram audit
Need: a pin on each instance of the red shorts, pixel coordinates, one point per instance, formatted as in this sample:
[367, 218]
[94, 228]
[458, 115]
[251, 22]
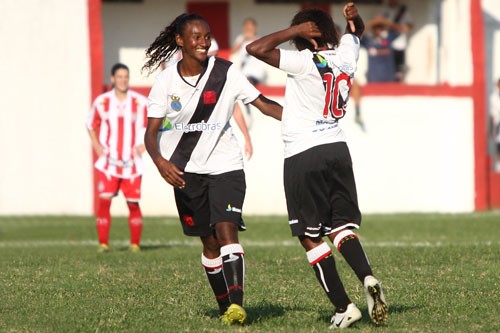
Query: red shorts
[110, 185]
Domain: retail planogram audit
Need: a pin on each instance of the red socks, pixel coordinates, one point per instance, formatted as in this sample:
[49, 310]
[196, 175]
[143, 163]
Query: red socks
[103, 221]
[134, 222]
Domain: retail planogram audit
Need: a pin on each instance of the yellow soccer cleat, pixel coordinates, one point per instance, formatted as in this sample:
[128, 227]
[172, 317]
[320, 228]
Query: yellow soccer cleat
[377, 306]
[135, 248]
[235, 314]
[103, 248]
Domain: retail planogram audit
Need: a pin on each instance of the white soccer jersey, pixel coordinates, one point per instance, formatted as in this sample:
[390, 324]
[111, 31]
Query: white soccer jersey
[317, 90]
[121, 126]
[196, 135]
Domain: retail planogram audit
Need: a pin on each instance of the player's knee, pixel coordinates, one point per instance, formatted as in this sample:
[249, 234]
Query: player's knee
[309, 243]
[342, 237]
[133, 206]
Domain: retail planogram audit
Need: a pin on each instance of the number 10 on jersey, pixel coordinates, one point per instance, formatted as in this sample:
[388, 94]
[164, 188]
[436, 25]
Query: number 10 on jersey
[337, 94]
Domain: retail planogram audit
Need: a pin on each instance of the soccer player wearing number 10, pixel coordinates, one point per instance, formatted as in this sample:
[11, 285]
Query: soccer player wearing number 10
[319, 182]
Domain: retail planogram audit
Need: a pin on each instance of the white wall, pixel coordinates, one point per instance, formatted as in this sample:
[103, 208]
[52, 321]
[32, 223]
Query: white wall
[44, 79]
[417, 153]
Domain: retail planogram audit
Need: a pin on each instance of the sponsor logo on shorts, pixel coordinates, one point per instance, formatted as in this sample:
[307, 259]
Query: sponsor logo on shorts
[233, 209]
[293, 221]
[188, 220]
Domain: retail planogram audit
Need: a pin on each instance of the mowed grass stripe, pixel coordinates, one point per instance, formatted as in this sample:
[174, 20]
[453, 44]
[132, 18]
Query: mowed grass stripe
[250, 243]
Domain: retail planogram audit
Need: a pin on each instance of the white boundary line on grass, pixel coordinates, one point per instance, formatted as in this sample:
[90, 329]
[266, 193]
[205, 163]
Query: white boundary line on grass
[249, 243]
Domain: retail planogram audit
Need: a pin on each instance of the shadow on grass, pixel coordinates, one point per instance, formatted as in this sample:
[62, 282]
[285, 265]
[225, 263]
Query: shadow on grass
[393, 309]
[149, 247]
[258, 313]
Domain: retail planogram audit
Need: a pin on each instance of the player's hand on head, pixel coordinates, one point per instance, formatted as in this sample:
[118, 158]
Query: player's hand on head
[309, 30]
[171, 174]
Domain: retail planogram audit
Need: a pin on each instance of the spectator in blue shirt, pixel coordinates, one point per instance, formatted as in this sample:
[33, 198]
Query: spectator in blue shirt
[381, 65]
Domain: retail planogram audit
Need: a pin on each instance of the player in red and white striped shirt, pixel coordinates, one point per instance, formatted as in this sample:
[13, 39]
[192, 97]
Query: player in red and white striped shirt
[116, 126]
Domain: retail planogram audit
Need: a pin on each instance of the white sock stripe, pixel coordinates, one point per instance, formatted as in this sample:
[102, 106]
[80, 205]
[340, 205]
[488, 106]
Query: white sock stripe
[322, 276]
[318, 252]
[231, 248]
[211, 263]
[341, 235]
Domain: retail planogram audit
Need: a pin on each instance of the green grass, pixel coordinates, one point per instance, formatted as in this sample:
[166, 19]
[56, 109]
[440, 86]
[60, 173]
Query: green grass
[440, 273]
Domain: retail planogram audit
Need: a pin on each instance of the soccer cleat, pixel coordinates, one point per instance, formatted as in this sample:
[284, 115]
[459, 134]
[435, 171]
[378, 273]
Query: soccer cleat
[235, 314]
[375, 299]
[103, 248]
[346, 318]
[134, 248]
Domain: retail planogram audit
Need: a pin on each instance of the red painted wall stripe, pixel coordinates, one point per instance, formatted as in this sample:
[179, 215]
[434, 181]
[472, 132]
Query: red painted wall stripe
[96, 65]
[481, 172]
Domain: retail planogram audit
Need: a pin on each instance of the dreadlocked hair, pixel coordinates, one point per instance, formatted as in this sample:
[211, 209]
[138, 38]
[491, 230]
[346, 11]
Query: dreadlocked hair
[329, 35]
[164, 46]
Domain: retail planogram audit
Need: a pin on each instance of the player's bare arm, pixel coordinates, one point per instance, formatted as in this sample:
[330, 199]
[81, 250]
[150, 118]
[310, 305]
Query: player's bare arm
[242, 125]
[355, 24]
[265, 48]
[167, 170]
[98, 148]
[138, 150]
[268, 107]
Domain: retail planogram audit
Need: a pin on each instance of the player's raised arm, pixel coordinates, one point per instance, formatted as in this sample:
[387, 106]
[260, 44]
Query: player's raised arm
[265, 48]
[268, 107]
[355, 23]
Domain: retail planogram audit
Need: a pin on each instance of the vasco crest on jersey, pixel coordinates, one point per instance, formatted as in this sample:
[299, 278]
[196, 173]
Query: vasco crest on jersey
[175, 102]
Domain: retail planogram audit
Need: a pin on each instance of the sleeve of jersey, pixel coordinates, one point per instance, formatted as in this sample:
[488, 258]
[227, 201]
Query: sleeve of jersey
[294, 62]
[157, 100]
[94, 118]
[247, 92]
[347, 54]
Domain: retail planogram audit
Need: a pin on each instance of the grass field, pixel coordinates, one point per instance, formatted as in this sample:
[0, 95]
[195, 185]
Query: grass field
[440, 273]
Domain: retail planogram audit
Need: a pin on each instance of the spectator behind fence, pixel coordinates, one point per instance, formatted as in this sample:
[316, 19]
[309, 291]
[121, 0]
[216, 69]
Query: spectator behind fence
[495, 123]
[400, 21]
[252, 68]
[378, 43]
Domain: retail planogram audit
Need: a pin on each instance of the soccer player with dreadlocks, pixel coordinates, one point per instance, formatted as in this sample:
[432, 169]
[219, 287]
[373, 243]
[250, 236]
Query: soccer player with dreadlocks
[189, 139]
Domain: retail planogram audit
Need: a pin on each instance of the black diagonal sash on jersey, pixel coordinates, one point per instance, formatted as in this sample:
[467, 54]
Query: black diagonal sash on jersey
[322, 68]
[189, 140]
